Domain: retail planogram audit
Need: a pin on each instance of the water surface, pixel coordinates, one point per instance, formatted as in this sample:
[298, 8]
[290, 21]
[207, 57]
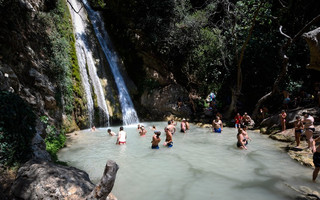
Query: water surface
[201, 165]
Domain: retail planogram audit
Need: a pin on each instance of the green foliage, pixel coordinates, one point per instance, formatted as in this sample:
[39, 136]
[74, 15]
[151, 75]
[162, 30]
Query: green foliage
[64, 64]
[54, 140]
[17, 122]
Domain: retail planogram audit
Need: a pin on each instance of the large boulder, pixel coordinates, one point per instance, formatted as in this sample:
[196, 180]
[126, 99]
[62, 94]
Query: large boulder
[162, 102]
[40, 179]
[284, 136]
[313, 38]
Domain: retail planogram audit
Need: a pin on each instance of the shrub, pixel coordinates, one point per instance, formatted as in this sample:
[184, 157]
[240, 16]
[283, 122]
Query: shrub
[17, 128]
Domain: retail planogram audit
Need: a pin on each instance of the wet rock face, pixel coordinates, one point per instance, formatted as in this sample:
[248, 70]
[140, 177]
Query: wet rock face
[39, 179]
[163, 102]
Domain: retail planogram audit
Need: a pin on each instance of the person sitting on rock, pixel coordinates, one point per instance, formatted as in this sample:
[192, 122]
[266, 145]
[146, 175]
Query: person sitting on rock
[298, 129]
[246, 119]
[217, 125]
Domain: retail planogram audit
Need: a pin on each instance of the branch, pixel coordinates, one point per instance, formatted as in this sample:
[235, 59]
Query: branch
[285, 35]
[74, 8]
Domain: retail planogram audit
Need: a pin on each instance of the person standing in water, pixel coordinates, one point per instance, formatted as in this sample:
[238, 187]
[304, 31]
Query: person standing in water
[217, 125]
[242, 141]
[283, 117]
[171, 127]
[309, 129]
[187, 125]
[168, 141]
[142, 131]
[298, 130]
[183, 126]
[122, 137]
[245, 134]
[316, 161]
[156, 140]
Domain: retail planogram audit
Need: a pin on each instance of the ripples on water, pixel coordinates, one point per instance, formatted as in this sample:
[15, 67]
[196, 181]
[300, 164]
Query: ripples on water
[201, 165]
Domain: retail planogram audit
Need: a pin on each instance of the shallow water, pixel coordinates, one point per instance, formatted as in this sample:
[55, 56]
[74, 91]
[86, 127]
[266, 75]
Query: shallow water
[201, 165]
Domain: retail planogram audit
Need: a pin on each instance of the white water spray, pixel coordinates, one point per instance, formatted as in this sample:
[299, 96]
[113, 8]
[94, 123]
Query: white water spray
[87, 67]
[129, 115]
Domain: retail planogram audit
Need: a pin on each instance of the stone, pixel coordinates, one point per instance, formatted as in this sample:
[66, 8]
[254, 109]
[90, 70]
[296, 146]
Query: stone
[40, 179]
[50, 102]
[42, 82]
[312, 38]
[162, 102]
[284, 136]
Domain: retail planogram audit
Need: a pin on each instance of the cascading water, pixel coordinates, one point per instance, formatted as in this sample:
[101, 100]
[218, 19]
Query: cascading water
[87, 66]
[129, 115]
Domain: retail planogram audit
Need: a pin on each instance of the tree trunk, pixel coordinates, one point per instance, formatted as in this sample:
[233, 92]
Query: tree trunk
[237, 92]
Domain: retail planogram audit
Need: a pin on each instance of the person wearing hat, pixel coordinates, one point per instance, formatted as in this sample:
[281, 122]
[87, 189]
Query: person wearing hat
[156, 140]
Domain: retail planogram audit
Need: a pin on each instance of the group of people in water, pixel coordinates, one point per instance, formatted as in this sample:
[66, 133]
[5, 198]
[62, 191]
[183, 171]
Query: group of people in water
[170, 129]
[301, 125]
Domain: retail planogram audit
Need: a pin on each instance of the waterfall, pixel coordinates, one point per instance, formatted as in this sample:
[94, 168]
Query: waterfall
[88, 71]
[129, 115]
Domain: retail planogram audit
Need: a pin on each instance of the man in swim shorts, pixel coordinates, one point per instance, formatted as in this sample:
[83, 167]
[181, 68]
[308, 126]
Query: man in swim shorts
[217, 125]
[168, 141]
[156, 140]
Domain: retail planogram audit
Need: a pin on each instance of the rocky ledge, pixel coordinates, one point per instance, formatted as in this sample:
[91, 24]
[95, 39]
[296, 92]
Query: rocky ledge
[40, 179]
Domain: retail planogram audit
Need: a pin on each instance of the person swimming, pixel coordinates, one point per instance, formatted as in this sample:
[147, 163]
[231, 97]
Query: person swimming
[156, 140]
[111, 133]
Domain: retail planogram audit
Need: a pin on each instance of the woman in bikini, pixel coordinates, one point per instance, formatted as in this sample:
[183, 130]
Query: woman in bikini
[298, 127]
[309, 129]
